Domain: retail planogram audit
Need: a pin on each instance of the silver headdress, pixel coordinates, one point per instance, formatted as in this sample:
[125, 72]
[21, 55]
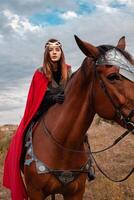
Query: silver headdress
[56, 43]
[114, 57]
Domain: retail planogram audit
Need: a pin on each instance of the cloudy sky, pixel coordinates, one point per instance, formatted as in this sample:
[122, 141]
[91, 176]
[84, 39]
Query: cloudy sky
[26, 25]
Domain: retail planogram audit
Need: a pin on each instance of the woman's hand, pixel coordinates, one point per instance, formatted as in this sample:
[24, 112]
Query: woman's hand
[59, 98]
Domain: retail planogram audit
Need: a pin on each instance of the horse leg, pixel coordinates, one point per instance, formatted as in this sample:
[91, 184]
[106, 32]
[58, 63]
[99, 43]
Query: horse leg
[35, 194]
[76, 196]
[53, 197]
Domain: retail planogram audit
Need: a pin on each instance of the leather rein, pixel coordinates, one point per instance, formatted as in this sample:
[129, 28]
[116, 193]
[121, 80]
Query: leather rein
[126, 120]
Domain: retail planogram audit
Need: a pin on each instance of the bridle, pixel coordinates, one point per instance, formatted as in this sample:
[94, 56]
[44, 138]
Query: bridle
[116, 57]
[126, 120]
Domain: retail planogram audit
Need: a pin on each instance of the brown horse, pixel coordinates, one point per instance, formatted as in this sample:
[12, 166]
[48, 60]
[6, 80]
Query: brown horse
[58, 163]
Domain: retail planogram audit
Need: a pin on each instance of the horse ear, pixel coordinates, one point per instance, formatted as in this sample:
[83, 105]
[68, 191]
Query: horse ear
[88, 49]
[122, 43]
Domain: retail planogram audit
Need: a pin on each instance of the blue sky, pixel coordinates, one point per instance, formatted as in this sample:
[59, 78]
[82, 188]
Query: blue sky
[26, 26]
[56, 16]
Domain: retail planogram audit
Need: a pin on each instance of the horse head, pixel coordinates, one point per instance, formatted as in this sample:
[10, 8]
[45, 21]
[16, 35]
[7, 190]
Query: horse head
[113, 81]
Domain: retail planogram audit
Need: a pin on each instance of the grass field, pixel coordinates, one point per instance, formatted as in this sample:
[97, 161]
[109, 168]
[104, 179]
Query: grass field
[116, 162]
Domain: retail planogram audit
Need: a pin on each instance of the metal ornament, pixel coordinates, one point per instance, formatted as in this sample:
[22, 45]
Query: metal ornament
[53, 44]
[66, 177]
[114, 57]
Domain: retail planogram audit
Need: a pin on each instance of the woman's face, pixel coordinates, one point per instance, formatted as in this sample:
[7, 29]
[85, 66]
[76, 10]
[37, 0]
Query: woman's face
[55, 53]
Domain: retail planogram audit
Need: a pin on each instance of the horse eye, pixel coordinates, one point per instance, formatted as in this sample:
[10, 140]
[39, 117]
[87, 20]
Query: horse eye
[113, 77]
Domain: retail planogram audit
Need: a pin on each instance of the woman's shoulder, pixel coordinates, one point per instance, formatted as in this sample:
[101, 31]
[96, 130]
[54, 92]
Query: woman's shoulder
[39, 73]
[40, 69]
[68, 66]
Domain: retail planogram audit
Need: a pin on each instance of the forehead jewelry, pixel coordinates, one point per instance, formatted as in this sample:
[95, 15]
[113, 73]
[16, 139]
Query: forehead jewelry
[53, 44]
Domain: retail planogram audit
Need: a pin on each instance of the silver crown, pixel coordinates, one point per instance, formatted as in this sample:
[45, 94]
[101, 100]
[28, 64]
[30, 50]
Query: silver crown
[56, 43]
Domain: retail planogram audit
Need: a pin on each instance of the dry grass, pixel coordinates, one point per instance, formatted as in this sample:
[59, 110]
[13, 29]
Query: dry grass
[116, 162]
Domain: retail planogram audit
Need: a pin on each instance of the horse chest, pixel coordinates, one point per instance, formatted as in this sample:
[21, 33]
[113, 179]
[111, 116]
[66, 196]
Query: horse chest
[63, 176]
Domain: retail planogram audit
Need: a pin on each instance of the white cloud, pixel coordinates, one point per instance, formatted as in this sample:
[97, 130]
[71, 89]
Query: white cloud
[69, 15]
[107, 8]
[20, 24]
[14, 103]
[29, 7]
[28, 26]
[108, 2]
[129, 2]
[1, 38]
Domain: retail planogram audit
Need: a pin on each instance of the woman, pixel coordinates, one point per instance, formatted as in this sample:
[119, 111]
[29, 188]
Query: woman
[57, 73]
[47, 88]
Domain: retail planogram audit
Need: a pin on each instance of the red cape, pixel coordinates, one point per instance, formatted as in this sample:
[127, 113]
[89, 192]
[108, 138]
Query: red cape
[12, 178]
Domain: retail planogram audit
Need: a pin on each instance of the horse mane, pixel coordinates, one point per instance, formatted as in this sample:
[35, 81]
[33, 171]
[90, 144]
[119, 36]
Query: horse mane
[72, 75]
[71, 79]
[80, 70]
[104, 48]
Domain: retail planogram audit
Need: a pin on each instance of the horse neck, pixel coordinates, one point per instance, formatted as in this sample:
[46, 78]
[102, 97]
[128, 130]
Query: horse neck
[77, 110]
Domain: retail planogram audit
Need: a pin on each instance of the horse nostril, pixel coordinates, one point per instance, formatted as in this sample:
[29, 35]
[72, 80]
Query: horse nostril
[122, 100]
